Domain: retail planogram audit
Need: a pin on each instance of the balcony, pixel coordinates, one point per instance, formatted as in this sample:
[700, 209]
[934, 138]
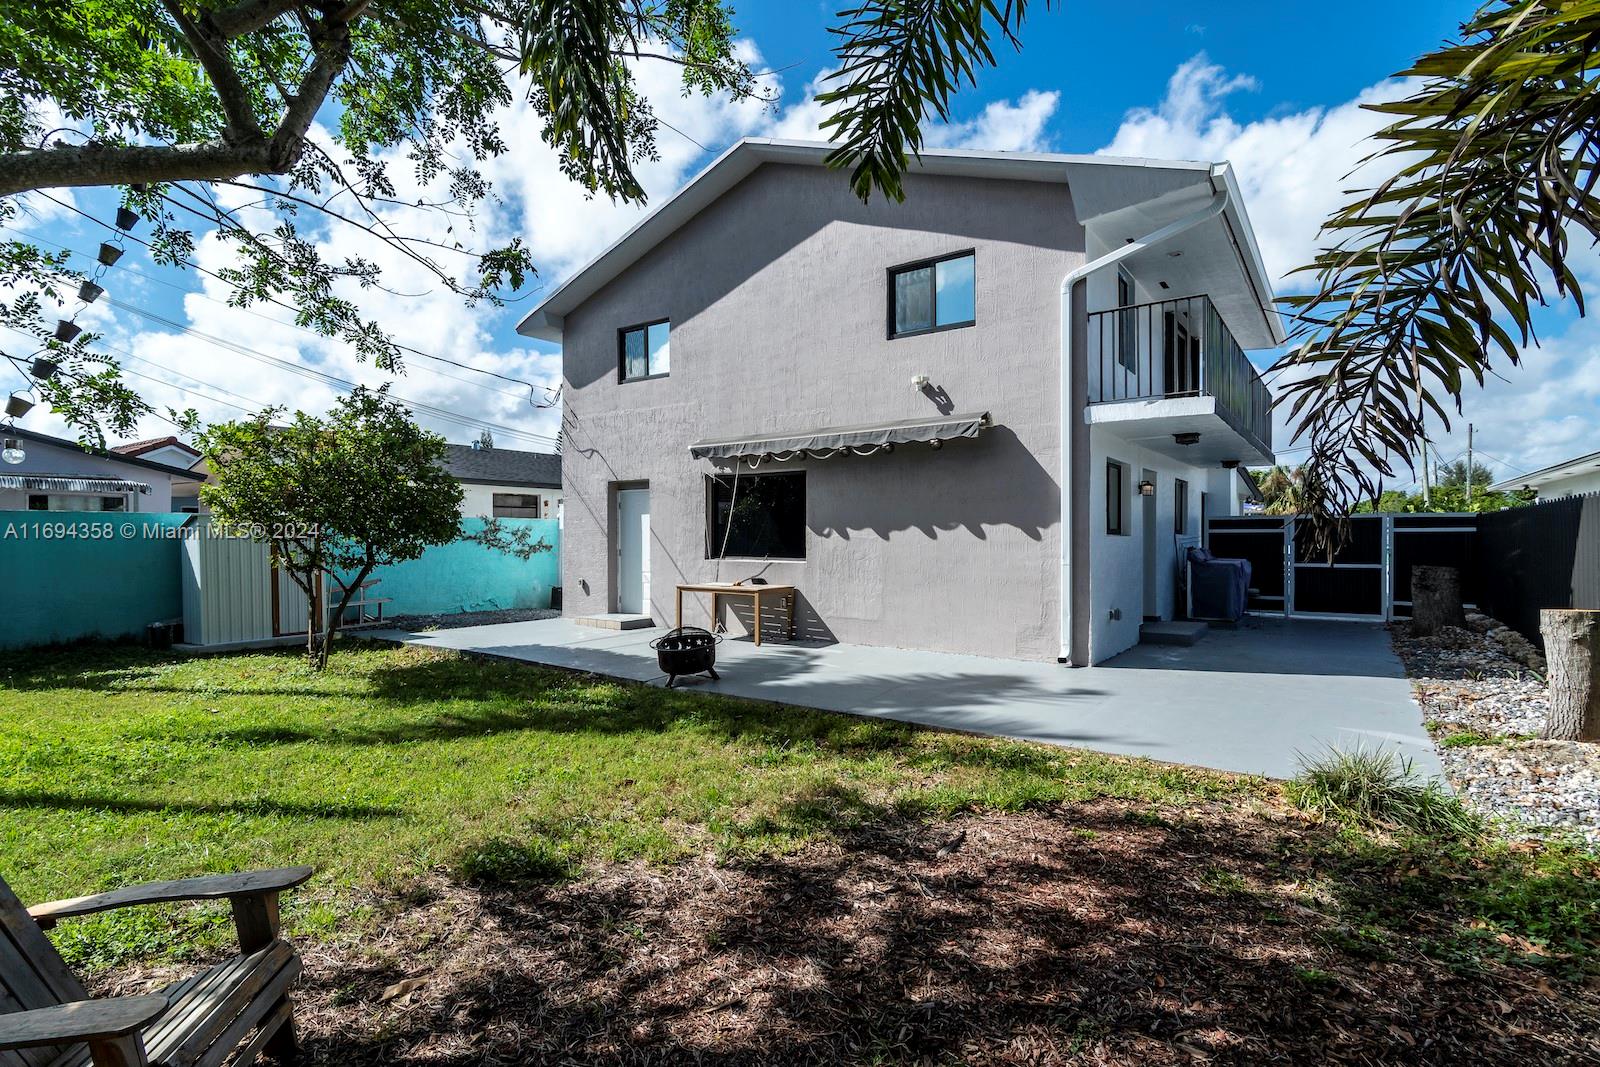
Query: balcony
[1161, 373]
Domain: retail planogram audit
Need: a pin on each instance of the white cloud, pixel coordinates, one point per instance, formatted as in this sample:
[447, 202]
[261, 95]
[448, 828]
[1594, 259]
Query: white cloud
[1002, 126]
[1291, 166]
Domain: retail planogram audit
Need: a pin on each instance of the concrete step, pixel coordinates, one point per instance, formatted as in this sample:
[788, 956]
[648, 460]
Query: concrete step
[1176, 632]
[616, 620]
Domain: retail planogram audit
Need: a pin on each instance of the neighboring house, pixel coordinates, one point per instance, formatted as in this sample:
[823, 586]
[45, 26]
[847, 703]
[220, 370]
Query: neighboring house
[506, 483]
[767, 377]
[174, 453]
[1569, 478]
[57, 474]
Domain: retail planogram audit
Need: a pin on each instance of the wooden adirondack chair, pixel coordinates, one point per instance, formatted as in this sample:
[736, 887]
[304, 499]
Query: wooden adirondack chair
[228, 1014]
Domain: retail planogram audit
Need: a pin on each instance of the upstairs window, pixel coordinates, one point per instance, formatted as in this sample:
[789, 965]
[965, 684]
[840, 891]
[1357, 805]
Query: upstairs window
[934, 294]
[1127, 324]
[1116, 498]
[644, 351]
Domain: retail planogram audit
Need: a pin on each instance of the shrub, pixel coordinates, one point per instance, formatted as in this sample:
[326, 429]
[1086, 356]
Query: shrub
[1379, 788]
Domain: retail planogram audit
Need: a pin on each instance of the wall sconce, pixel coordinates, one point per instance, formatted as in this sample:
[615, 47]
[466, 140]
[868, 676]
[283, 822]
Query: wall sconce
[1147, 488]
[13, 453]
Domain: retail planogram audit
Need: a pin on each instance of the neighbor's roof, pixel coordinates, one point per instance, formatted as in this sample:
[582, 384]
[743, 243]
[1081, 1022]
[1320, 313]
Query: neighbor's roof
[503, 466]
[1123, 198]
[1569, 468]
[139, 448]
[112, 456]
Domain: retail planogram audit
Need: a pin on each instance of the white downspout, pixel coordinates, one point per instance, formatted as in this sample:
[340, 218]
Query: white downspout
[1219, 201]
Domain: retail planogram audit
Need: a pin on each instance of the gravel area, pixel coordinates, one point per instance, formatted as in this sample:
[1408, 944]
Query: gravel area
[1486, 709]
[417, 623]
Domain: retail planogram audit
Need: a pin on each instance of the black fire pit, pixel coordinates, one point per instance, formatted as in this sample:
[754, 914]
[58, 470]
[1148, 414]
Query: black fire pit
[686, 650]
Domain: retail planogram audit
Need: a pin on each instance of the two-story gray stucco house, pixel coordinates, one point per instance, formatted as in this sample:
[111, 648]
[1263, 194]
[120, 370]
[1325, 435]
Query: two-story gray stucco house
[881, 403]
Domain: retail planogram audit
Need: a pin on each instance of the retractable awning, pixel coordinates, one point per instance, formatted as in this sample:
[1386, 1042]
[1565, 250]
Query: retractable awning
[828, 441]
[48, 483]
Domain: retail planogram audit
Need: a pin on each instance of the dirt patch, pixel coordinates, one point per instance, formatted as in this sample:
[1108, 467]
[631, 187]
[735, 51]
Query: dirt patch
[1088, 934]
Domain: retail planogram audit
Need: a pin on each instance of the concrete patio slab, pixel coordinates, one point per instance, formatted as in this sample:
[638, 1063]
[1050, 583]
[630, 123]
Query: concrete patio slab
[1250, 699]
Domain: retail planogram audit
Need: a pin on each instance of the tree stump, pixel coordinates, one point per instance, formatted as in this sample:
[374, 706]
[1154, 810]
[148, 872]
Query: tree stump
[1435, 600]
[1572, 656]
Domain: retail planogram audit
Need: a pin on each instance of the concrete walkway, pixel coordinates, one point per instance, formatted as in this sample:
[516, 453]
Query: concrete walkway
[1249, 699]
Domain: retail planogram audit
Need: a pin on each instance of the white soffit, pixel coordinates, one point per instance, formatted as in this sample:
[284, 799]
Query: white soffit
[1109, 193]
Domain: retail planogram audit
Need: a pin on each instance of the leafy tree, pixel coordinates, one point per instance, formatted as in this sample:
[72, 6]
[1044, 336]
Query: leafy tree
[201, 112]
[1280, 489]
[1455, 475]
[1433, 276]
[333, 497]
[1446, 498]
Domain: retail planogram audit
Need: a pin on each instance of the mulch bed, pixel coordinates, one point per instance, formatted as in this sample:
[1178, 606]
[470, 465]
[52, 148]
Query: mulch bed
[1096, 934]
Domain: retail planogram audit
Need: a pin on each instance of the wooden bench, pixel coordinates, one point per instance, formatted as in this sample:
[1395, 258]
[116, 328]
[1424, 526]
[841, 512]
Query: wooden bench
[229, 1014]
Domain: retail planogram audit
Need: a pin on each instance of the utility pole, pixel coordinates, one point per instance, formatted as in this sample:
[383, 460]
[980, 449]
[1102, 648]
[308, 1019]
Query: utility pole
[1427, 492]
[1469, 466]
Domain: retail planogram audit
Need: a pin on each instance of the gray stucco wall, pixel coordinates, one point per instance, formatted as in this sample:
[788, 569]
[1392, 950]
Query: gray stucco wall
[777, 296]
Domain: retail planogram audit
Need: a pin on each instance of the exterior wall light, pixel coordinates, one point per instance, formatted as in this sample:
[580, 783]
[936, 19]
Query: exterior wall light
[18, 405]
[1186, 438]
[1147, 488]
[13, 453]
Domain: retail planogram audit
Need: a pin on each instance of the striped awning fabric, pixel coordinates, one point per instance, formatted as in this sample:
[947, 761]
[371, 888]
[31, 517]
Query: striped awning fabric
[63, 484]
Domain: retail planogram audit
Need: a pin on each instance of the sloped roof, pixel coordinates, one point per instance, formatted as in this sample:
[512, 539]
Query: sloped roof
[1569, 468]
[1122, 193]
[139, 448]
[111, 455]
[503, 466]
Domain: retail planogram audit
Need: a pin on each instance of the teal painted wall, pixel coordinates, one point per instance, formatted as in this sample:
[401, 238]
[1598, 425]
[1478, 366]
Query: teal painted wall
[466, 576]
[63, 587]
[66, 575]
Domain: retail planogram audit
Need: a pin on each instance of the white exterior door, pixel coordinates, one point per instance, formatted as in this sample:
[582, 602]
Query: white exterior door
[633, 551]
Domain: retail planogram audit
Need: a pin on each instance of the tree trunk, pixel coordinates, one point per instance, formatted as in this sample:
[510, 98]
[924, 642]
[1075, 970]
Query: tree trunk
[1572, 653]
[1435, 600]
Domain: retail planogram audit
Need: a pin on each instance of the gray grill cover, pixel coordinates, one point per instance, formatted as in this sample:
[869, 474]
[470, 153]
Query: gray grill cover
[905, 431]
[71, 485]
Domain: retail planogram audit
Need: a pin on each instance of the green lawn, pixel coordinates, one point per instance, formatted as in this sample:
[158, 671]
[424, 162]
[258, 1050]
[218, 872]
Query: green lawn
[120, 765]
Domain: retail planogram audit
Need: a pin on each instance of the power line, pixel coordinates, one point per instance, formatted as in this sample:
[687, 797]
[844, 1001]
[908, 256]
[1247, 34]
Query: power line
[290, 307]
[336, 382]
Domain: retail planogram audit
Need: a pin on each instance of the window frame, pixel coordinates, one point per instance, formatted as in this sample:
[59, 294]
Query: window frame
[1180, 506]
[622, 349]
[933, 306]
[711, 481]
[1117, 518]
[1127, 324]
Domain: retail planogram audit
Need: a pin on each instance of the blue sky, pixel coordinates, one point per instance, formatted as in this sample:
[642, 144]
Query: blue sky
[1264, 85]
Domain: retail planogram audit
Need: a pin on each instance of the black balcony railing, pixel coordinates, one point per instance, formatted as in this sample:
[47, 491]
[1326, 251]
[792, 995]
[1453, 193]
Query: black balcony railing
[1176, 348]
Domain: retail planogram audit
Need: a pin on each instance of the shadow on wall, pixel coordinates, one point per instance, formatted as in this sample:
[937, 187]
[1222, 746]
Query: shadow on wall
[808, 623]
[963, 490]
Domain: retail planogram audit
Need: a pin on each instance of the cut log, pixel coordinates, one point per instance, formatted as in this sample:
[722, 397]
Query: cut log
[1572, 656]
[1435, 600]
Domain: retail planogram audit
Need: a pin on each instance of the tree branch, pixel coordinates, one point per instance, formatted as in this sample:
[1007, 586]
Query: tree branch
[247, 16]
[100, 164]
[212, 52]
[331, 46]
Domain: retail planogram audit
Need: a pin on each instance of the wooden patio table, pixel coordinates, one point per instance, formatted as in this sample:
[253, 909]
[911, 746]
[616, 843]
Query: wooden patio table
[718, 590]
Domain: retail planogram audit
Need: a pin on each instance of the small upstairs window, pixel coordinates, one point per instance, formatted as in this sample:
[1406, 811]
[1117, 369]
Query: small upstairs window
[644, 351]
[933, 294]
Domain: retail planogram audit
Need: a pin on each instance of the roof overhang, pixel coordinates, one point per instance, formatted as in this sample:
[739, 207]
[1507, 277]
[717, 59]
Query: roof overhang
[1571, 468]
[64, 484]
[827, 441]
[1109, 193]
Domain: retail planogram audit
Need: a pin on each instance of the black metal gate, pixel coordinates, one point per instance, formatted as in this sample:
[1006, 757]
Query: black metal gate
[1368, 578]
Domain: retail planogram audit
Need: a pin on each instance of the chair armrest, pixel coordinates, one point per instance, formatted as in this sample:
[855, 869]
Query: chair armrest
[80, 1020]
[208, 887]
